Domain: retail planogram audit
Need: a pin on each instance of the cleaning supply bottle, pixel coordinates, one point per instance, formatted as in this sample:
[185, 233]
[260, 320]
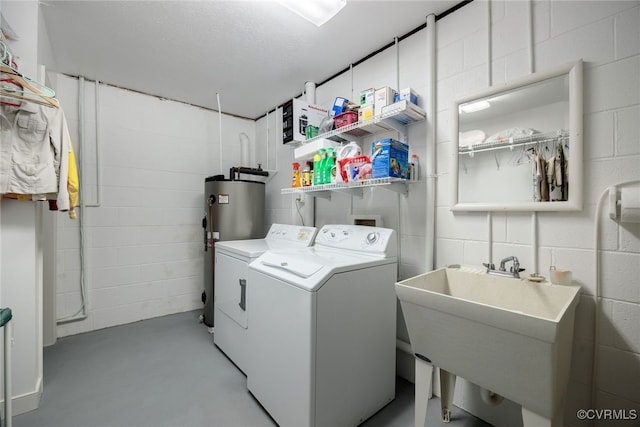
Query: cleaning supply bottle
[414, 166]
[323, 165]
[295, 180]
[306, 175]
[317, 167]
[329, 166]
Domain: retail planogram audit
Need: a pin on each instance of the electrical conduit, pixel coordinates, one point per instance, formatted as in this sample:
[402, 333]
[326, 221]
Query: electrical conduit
[430, 166]
[309, 211]
[489, 80]
[81, 314]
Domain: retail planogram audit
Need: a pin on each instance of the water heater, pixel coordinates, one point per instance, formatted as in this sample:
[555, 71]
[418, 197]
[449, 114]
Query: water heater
[234, 210]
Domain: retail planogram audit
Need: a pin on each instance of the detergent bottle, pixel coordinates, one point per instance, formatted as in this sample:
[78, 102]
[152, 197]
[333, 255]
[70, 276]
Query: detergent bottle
[323, 165]
[295, 180]
[317, 167]
[329, 166]
[307, 175]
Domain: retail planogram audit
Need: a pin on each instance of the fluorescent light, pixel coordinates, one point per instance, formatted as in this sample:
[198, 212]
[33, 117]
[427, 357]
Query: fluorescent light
[316, 11]
[475, 106]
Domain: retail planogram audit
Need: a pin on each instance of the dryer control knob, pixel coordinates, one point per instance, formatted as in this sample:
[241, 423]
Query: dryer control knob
[372, 238]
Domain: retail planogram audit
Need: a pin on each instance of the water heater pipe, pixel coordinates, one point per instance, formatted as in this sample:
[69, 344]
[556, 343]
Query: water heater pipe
[244, 150]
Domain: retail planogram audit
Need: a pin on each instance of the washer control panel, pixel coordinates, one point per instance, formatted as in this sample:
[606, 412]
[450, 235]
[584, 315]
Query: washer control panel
[372, 240]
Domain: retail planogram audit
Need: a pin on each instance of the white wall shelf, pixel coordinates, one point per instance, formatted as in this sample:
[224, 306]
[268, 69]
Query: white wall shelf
[396, 117]
[354, 188]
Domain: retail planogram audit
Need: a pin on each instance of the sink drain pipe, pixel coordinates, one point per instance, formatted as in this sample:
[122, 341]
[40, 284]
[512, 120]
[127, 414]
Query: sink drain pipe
[490, 398]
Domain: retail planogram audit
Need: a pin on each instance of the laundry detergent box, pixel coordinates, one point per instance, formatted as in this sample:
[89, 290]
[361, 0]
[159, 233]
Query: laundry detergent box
[389, 158]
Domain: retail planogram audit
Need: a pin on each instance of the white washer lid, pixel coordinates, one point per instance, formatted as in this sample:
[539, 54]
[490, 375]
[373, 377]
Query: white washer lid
[244, 248]
[309, 268]
[298, 266]
[279, 236]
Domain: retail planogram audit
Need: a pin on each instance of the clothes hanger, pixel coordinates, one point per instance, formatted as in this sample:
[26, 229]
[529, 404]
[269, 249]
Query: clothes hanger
[11, 102]
[25, 88]
[9, 96]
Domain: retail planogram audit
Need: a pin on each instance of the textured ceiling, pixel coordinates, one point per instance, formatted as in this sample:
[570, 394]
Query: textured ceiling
[255, 54]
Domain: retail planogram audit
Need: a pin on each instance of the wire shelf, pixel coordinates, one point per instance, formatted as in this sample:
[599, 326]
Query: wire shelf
[395, 184]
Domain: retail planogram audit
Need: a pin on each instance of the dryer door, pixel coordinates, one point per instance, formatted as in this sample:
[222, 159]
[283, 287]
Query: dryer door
[231, 287]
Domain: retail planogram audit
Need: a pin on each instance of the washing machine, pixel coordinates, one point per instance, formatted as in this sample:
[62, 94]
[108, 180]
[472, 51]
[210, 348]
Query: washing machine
[232, 260]
[322, 340]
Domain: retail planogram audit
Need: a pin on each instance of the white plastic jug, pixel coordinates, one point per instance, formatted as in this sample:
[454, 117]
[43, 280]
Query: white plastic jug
[352, 149]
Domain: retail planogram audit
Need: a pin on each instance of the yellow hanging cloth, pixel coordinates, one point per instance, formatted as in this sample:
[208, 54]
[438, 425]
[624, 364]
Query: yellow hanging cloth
[73, 183]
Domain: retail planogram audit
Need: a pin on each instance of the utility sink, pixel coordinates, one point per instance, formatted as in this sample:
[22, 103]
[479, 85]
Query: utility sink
[508, 335]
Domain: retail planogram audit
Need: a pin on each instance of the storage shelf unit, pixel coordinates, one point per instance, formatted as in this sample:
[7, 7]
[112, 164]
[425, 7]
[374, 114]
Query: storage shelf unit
[353, 188]
[396, 118]
[560, 135]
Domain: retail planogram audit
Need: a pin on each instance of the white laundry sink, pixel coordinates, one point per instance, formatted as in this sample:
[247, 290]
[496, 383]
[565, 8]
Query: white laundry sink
[508, 335]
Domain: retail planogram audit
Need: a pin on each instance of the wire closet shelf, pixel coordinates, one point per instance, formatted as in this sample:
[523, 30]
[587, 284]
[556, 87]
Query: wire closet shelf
[558, 136]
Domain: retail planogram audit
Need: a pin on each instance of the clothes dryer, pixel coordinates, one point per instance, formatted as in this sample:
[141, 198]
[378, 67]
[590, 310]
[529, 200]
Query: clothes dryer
[322, 340]
[232, 263]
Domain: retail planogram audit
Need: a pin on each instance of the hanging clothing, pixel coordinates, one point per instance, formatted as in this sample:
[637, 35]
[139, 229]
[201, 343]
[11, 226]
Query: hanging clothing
[34, 152]
[73, 187]
[73, 183]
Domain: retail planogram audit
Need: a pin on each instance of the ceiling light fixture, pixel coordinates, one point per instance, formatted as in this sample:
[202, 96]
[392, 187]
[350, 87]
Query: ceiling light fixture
[475, 106]
[316, 11]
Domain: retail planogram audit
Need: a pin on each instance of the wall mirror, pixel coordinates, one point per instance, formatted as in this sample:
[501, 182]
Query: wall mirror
[518, 147]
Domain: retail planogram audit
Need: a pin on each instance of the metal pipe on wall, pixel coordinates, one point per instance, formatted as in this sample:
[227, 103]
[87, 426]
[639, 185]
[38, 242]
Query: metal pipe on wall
[309, 211]
[81, 314]
[430, 167]
[489, 83]
[534, 214]
[98, 202]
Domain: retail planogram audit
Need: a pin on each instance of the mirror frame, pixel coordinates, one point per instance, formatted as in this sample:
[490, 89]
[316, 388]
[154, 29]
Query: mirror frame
[574, 71]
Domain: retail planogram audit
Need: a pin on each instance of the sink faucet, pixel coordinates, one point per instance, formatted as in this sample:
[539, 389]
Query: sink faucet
[514, 271]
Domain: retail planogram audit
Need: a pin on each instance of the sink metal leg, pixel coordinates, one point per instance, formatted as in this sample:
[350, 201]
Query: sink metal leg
[424, 375]
[447, 387]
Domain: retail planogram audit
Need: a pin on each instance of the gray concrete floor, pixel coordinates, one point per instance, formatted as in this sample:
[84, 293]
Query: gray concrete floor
[166, 372]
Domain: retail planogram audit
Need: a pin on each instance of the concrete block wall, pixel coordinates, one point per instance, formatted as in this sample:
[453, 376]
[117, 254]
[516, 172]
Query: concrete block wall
[606, 35]
[144, 241]
[403, 213]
